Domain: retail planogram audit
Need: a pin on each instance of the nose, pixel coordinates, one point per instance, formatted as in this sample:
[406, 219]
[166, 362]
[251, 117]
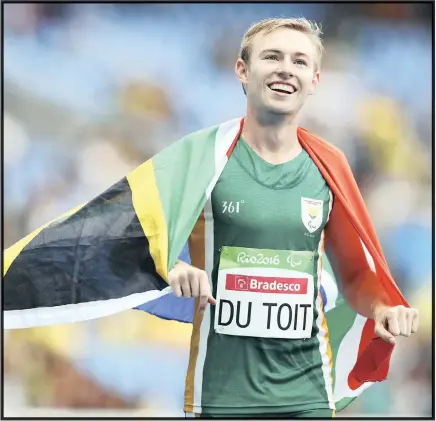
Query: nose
[286, 68]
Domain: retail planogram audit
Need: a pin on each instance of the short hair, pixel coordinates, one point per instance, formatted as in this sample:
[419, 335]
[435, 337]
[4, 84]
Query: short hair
[310, 28]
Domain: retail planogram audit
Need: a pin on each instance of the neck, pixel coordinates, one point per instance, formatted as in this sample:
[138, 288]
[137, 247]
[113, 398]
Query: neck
[273, 137]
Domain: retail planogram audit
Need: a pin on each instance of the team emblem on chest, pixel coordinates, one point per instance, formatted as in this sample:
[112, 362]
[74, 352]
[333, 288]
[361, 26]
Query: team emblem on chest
[311, 213]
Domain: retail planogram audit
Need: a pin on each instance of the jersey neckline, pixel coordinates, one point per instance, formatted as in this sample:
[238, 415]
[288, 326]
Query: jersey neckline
[252, 163]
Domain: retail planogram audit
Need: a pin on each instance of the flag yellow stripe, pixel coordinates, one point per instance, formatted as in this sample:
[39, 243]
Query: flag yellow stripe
[12, 252]
[148, 207]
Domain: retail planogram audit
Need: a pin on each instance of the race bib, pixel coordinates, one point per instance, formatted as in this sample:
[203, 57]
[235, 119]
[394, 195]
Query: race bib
[265, 293]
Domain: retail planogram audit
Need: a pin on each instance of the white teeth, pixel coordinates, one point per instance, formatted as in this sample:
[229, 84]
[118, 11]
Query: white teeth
[282, 87]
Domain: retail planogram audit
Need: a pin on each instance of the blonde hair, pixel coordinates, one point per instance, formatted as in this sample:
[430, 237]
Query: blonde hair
[310, 28]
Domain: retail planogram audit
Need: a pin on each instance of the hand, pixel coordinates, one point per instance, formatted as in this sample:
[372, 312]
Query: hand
[395, 321]
[188, 281]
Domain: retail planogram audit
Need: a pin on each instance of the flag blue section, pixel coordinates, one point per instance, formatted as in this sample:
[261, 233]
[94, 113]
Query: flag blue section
[169, 306]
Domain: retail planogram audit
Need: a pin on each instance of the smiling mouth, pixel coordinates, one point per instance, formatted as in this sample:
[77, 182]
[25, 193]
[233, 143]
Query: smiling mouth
[282, 88]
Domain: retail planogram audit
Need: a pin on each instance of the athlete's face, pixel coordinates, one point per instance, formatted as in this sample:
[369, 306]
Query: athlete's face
[281, 72]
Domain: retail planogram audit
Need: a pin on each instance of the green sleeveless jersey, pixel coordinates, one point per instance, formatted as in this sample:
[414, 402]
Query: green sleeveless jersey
[264, 347]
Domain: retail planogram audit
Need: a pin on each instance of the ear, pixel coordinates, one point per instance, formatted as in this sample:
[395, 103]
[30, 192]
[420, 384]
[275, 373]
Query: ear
[241, 70]
[315, 81]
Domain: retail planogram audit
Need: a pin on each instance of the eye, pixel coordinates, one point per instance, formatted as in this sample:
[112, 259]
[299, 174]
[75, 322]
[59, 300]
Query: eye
[301, 62]
[271, 57]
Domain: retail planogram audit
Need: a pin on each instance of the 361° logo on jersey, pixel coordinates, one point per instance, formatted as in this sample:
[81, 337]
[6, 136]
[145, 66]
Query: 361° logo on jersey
[311, 213]
[232, 207]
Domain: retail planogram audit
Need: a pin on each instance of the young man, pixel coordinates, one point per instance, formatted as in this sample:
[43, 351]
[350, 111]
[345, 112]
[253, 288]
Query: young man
[271, 199]
[259, 199]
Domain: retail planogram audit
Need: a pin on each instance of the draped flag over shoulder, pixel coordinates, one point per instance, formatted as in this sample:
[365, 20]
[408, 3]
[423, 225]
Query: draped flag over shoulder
[114, 253]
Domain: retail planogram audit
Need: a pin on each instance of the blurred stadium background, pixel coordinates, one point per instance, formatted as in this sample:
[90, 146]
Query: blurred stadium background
[93, 90]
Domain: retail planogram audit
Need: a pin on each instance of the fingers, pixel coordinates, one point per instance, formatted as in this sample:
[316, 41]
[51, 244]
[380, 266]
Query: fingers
[406, 320]
[383, 333]
[396, 321]
[204, 292]
[404, 323]
[415, 320]
[173, 281]
[185, 285]
[393, 323]
[194, 282]
[181, 281]
[178, 279]
[408, 327]
[188, 281]
[202, 304]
